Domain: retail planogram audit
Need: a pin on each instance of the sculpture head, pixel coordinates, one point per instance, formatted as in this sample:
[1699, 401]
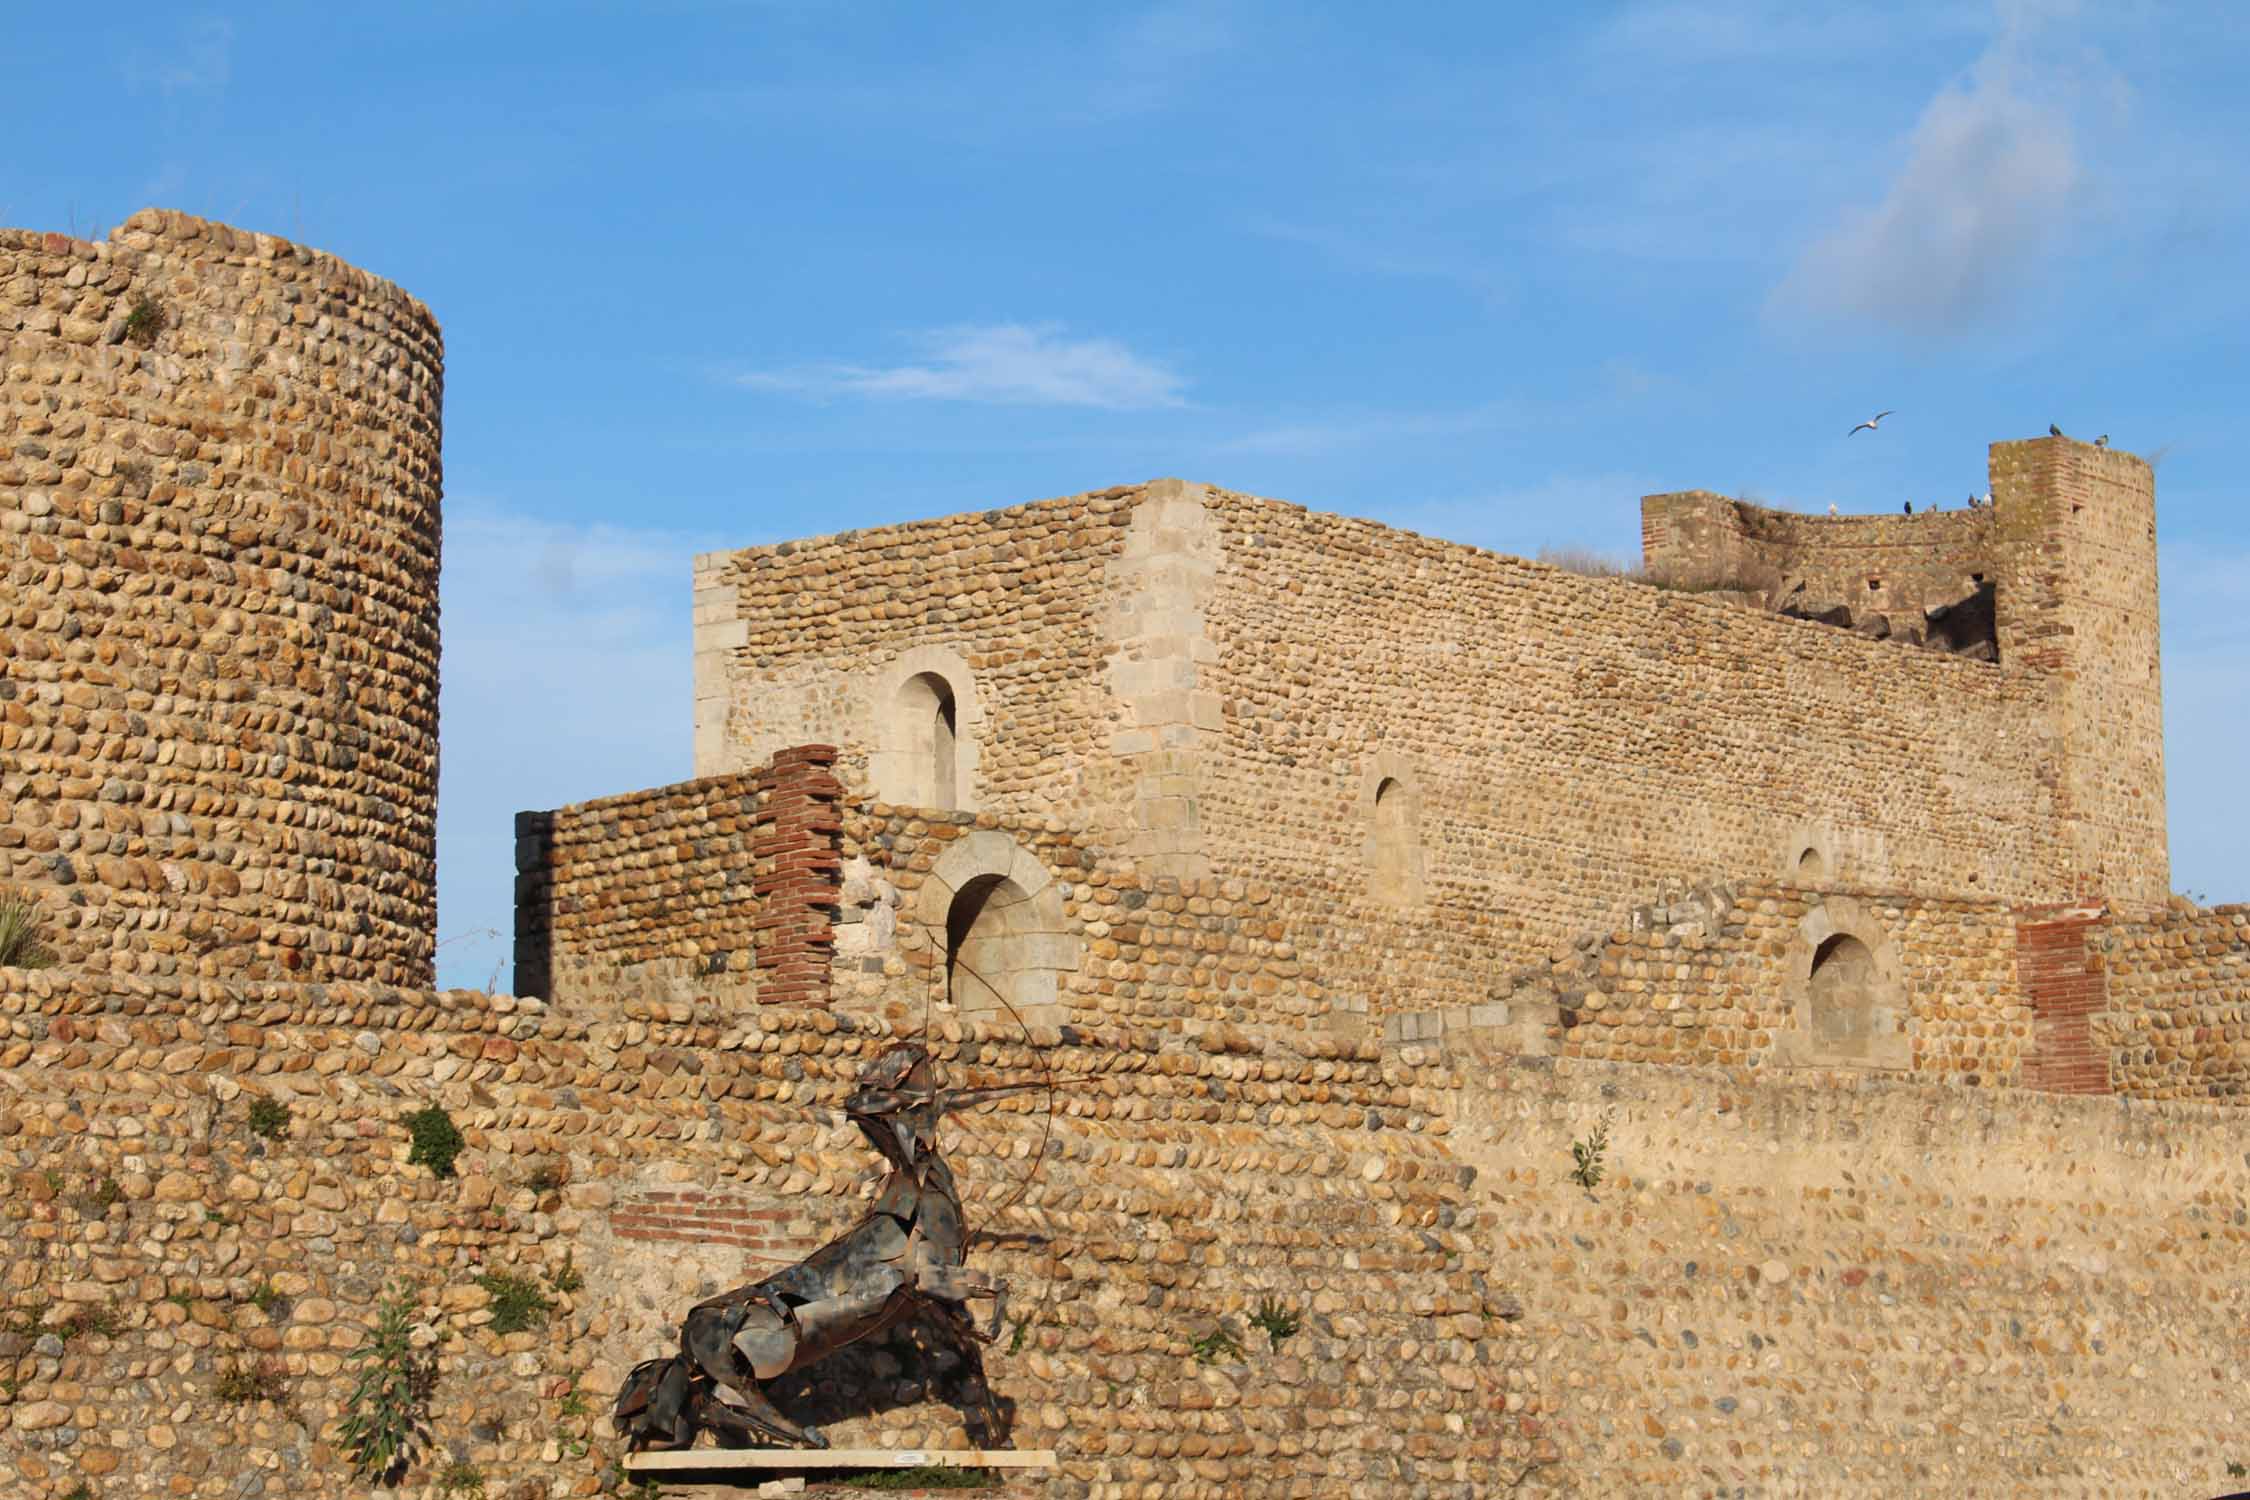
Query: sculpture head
[898, 1102]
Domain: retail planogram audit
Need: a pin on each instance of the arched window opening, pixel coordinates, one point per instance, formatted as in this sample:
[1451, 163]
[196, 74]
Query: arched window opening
[1841, 997]
[928, 726]
[1391, 851]
[986, 948]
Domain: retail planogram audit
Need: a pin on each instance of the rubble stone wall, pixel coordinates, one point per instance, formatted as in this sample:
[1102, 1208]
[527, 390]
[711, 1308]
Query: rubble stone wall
[2176, 1019]
[1779, 1286]
[1569, 741]
[219, 480]
[158, 1244]
[1832, 1285]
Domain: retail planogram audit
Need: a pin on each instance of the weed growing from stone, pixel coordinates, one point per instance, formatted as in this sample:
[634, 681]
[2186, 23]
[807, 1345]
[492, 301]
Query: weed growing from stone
[240, 1384]
[269, 1118]
[546, 1178]
[1277, 1321]
[80, 1491]
[105, 1196]
[387, 1412]
[265, 1297]
[437, 1140]
[106, 1321]
[460, 1477]
[20, 947]
[2237, 1470]
[1220, 1343]
[1589, 1152]
[145, 322]
[517, 1302]
[26, 1319]
[568, 1278]
[181, 1300]
[573, 1410]
[1016, 1339]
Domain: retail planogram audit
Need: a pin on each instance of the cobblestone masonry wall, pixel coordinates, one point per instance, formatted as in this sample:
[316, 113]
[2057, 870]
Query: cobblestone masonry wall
[725, 884]
[1573, 740]
[218, 604]
[2176, 1024]
[156, 1243]
[1559, 740]
[812, 641]
[1858, 1285]
[1779, 1288]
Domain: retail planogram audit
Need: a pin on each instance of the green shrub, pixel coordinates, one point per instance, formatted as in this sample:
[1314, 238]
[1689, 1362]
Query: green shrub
[240, 1383]
[145, 321]
[437, 1140]
[20, 947]
[460, 1477]
[387, 1412]
[1589, 1152]
[517, 1302]
[1277, 1321]
[269, 1118]
[1220, 1343]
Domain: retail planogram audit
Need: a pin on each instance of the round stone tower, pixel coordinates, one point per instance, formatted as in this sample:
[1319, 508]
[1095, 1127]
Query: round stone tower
[219, 535]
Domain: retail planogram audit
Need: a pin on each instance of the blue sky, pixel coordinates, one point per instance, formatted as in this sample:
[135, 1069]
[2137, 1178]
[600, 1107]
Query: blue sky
[713, 274]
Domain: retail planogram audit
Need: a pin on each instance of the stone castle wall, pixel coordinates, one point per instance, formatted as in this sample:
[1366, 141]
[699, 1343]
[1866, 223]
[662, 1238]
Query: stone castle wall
[1247, 678]
[218, 604]
[1781, 1285]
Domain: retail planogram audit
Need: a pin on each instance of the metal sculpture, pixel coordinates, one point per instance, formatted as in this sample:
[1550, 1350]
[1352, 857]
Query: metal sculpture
[905, 1255]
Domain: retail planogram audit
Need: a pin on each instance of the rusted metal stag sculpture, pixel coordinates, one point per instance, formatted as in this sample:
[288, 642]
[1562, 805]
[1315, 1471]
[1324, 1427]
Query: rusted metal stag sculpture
[906, 1255]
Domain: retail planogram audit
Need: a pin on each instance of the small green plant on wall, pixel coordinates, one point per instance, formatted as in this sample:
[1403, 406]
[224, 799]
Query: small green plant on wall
[269, 1118]
[145, 321]
[1220, 1343]
[1277, 1321]
[1589, 1153]
[387, 1412]
[20, 947]
[461, 1478]
[517, 1302]
[242, 1384]
[437, 1140]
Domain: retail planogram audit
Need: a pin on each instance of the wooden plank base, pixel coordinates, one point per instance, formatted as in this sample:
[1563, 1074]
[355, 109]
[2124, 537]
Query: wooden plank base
[839, 1458]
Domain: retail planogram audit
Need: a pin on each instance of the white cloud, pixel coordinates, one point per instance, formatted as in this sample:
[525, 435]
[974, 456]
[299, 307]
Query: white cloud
[1993, 184]
[1331, 434]
[1002, 364]
[566, 676]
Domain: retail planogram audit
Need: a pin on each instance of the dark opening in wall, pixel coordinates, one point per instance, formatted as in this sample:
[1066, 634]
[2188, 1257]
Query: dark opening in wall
[928, 727]
[983, 956]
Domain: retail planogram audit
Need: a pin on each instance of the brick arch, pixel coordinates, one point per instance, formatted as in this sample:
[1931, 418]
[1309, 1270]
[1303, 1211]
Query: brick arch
[1842, 985]
[996, 915]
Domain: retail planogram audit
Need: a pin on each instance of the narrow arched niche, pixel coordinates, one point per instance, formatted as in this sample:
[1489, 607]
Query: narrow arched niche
[925, 725]
[1811, 867]
[1391, 849]
[1840, 998]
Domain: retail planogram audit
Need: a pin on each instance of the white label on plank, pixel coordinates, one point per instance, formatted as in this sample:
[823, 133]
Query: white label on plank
[910, 1458]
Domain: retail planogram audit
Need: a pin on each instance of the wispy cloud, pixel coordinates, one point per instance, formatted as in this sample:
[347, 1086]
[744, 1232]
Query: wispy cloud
[1990, 190]
[1313, 436]
[199, 59]
[1001, 364]
[563, 680]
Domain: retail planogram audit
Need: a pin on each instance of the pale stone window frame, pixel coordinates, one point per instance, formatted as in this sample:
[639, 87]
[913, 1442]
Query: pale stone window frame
[1024, 904]
[1890, 1045]
[1815, 842]
[900, 762]
[1396, 867]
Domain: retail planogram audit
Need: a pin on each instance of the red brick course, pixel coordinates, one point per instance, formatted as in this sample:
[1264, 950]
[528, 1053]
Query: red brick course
[2066, 983]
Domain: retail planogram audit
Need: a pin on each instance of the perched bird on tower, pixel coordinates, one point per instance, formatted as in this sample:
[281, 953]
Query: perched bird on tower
[2102, 441]
[2053, 430]
[1910, 507]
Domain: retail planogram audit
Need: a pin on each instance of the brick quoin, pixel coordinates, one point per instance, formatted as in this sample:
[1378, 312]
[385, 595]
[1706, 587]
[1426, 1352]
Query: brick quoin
[2066, 984]
[800, 875]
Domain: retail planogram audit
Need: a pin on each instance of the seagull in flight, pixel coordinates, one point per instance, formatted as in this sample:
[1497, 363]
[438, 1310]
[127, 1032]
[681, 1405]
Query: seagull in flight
[1870, 425]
